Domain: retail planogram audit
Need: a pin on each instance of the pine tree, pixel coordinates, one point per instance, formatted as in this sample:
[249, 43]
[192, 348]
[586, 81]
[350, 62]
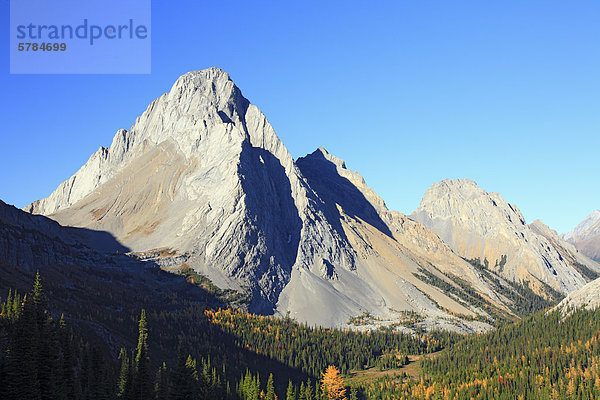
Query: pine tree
[99, 388]
[39, 297]
[66, 381]
[290, 392]
[16, 306]
[308, 391]
[22, 365]
[124, 383]
[270, 395]
[161, 387]
[48, 355]
[7, 305]
[184, 380]
[318, 395]
[143, 387]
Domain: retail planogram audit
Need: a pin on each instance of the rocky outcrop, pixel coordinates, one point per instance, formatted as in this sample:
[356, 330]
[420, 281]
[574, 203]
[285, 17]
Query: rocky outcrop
[588, 268]
[586, 236]
[587, 297]
[478, 224]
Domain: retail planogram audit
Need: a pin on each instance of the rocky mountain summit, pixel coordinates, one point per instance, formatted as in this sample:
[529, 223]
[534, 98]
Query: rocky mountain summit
[481, 225]
[202, 173]
[586, 236]
[202, 183]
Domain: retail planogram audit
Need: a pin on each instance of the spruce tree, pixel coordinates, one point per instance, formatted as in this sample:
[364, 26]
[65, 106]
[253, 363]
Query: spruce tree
[308, 391]
[161, 386]
[143, 387]
[184, 378]
[270, 395]
[289, 395]
[124, 383]
[66, 376]
[39, 298]
[23, 358]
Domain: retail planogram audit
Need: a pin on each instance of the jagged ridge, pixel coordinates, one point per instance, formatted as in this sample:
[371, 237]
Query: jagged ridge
[203, 177]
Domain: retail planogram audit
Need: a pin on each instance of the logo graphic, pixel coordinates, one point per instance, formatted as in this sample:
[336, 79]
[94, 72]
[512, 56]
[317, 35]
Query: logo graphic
[80, 37]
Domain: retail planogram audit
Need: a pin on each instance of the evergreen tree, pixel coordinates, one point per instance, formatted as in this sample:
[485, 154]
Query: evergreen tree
[161, 387]
[22, 365]
[124, 382]
[39, 299]
[184, 379]
[270, 395]
[290, 395]
[308, 391]
[143, 387]
[67, 385]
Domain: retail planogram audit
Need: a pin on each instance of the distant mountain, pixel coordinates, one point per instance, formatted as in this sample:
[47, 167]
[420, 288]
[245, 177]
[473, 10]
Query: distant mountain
[481, 225]
[586, 297]
[586, 236]
[202, 181]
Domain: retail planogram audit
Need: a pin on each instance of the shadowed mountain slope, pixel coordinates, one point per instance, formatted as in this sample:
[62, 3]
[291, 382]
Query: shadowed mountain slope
[202, 181]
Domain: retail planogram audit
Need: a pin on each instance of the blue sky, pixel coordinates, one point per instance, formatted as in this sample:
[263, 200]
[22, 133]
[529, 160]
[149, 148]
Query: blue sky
[407, 92]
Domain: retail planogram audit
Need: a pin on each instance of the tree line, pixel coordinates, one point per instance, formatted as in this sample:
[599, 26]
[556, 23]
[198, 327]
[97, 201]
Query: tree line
[47, 357]
[545, 356]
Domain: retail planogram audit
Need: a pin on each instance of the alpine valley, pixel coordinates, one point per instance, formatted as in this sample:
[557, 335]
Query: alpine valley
[199, 215]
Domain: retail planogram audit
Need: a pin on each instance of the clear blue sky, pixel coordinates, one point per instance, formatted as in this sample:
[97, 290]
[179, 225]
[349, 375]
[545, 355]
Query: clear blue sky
[407, 92]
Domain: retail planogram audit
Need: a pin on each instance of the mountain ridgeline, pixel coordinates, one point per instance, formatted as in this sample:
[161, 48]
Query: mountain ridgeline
[482, 225]
[586, 236]
[201, 185]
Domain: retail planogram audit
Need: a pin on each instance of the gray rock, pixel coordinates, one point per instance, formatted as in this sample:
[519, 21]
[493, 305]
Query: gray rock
[201, 178]
[587, 297]
[586, 236]
[478, 224]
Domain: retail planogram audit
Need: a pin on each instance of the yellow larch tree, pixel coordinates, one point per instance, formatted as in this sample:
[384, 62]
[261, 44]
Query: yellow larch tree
[332, 384]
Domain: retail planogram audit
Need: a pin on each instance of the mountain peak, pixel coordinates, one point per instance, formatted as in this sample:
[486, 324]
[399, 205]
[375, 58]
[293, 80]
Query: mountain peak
[323, 154]
[458, 182]
[586, 235]
[588, 227]
[197, 76]
[478, 224]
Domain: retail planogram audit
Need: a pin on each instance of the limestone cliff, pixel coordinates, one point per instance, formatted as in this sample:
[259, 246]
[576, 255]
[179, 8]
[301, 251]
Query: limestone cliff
[478, 224]
[201, 180]
[586, 236]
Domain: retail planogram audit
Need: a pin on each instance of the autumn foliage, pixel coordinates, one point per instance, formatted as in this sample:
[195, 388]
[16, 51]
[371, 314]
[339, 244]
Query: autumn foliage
[332, 384]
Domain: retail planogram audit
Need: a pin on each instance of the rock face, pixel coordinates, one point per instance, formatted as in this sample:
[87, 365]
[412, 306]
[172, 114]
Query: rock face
[588, 268]
[33, 241]
[587, 297]
[586, 236]
[202, 179]
[202, 172]
[478, 224]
